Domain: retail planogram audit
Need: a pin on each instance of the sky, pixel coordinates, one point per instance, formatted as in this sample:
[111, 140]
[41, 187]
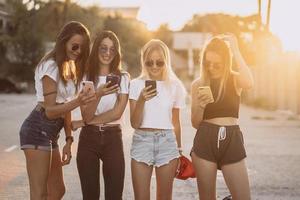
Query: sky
[283, 23]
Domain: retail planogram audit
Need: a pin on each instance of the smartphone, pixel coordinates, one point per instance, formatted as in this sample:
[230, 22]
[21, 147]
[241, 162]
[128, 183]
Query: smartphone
[88, 87]
[206, 90]
[114, 80]
[152, 83]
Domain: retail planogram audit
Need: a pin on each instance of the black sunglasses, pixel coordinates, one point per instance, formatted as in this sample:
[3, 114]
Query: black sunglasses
[75, 47]
[158, 63]
[214, 65]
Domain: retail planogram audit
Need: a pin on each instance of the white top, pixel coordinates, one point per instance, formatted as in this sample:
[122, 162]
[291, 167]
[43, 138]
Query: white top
[158, 110]
[49, 68]
[108, 102]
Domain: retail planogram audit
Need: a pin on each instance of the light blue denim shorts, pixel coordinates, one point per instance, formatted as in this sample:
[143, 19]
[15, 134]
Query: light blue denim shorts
[155, 148]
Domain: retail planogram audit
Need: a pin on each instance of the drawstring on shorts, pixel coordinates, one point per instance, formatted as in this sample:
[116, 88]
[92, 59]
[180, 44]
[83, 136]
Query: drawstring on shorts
[221, 135]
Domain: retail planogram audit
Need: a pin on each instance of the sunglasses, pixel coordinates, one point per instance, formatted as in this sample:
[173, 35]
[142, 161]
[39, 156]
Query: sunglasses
[215, 65]
[75, 47]
[103, 50]
[158, 63]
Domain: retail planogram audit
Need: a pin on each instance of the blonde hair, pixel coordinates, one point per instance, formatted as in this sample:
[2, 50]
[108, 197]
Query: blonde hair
[218, 46]
[157, 45]
[168, 73]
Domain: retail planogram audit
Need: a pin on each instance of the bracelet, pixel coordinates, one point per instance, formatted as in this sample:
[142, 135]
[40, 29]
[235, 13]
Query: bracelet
[69, 137]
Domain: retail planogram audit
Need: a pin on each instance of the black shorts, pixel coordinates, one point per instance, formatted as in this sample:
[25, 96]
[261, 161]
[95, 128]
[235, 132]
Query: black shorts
[219, 144]
[39, 132]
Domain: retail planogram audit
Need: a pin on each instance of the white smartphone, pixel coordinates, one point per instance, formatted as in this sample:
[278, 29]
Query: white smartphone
[206, 90]
[88, 87]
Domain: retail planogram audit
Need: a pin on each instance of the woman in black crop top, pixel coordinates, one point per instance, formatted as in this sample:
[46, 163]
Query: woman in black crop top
[218, 143]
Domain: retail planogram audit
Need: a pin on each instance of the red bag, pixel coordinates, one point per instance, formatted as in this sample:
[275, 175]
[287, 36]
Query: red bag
[186, 169]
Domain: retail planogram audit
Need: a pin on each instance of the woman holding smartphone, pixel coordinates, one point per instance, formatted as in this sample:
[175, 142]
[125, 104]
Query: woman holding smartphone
[101, 135]
[218, 143]
[55, 83]
[155, 116]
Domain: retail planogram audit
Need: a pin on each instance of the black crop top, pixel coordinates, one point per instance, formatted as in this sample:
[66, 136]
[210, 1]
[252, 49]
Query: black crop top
[228, 106]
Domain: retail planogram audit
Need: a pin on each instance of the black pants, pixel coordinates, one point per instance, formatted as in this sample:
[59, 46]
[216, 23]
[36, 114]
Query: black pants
[105, 145]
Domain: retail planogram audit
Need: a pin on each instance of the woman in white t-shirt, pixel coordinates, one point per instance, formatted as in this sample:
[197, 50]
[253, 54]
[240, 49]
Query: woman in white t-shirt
[155, 116]
[56, 77]
[101, 135]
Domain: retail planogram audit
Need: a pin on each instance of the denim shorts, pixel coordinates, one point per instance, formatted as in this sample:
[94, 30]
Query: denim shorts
[155, 148]
[39, 132]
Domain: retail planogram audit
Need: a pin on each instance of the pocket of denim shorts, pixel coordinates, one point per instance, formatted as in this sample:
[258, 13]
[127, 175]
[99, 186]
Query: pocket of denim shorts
[57, 121]
[137, 138]
[171, 137]
[52, 128]
[30, 129]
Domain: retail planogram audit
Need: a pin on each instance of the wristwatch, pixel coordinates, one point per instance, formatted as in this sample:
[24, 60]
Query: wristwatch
[69, 137]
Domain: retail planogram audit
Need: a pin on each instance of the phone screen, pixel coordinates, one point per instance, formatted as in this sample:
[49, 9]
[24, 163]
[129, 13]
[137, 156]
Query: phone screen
[152, 83]
[114, 80]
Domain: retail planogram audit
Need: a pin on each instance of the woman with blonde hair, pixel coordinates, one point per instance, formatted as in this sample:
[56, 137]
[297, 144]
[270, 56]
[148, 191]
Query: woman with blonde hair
[156, 98]
[219, 143]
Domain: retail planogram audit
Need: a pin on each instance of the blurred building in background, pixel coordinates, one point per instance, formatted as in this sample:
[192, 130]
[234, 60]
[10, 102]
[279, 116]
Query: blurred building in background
[4, 17]
[277, 83]
[125, 12]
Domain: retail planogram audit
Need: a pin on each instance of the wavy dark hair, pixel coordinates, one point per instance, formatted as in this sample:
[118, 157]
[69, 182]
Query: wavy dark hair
[59, 51]
[93, 60]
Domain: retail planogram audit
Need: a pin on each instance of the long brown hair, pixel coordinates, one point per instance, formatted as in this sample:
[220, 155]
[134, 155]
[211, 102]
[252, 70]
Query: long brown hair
[93, 60]
[218, 46]
[58, 53]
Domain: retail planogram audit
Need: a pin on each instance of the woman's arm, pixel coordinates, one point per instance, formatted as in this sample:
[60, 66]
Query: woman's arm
[137, 106]
[88, 110]
[136, 112]
[66, 153]
[196, 109]
[199, 102]
[113, 114]
[243, 76]
[177, 125]
[54, 110]
[106, 117]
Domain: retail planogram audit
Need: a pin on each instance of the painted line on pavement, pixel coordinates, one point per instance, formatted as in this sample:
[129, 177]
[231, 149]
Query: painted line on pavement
[10, 149]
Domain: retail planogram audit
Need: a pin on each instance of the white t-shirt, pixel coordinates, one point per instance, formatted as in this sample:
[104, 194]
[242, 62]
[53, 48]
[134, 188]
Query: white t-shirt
[158, 110]
[49, 68]
[108, 102]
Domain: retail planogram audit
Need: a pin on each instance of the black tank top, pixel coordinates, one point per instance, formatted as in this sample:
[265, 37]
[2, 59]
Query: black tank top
[229, 103]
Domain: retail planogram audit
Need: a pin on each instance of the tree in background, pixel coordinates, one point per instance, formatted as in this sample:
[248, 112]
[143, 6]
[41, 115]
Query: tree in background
[164, 34]
[37, 22]
[248, 30]
[133, 35]
[54, 14]
[24, 43]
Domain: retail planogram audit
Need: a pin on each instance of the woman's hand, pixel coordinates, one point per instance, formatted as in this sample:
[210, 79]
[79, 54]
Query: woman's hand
[77, 124]
[203, 99]
[85, 98]
[147, 94]
[103, 89]
[66, 154]
[178, 166]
